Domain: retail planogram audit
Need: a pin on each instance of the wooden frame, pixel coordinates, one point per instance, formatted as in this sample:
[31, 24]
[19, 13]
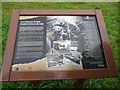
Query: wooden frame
[9, 75]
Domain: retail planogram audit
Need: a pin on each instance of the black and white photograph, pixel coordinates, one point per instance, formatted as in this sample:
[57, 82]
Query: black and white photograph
[63, 39]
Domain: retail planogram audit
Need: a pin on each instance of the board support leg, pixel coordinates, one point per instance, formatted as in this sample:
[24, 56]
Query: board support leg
[79, 82]
[36, 83]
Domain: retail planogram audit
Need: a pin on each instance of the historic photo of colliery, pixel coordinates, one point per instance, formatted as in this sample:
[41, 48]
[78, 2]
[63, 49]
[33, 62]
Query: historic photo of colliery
[63, 41]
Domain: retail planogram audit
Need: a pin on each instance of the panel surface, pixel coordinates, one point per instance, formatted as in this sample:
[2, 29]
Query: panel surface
[58, 43]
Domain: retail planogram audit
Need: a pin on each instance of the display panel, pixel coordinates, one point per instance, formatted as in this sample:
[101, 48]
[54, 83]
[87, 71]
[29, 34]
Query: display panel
[44, 45]
[58, 43]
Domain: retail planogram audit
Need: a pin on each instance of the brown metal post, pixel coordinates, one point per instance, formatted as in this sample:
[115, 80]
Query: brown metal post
[36, 83]
[79, 82]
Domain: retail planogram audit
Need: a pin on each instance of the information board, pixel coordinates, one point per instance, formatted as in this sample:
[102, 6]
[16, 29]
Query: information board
[57, 44]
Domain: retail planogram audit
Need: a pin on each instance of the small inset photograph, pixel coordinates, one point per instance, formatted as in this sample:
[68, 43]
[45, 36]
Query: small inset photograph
[72, 58]
[58, 59]
[62, 46]
[54, 60]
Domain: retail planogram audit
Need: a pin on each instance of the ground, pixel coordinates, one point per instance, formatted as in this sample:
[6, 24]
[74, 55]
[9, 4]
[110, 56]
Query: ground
[111, 18]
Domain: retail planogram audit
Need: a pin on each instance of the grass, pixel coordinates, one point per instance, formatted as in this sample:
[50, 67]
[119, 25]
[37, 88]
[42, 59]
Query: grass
[111, 18]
